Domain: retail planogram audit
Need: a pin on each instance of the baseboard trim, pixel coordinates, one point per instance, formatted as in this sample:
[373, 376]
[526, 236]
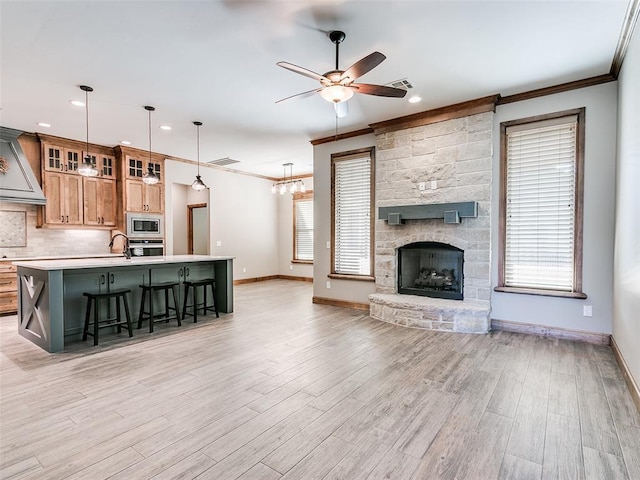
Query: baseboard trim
[626, 373]
[555, 332]
[272, 277]
[341, 303]
[296, 278]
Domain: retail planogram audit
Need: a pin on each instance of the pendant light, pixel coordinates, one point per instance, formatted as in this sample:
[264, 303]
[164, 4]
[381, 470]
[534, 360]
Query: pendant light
[150, 178]
[294, 185]
[87, 168]
[198, 184]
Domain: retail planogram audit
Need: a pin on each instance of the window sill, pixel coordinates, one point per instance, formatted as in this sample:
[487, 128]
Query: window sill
[362, 278]
[305, 262]
[545, 293]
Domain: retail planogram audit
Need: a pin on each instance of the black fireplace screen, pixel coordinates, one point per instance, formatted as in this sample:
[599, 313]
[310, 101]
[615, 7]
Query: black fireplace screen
[431, 269]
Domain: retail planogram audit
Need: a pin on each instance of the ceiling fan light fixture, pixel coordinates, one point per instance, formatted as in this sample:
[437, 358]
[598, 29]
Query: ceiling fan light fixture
[336, 93]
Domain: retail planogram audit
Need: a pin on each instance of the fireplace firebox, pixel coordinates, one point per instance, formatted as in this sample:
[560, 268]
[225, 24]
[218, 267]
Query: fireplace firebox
[431, 269]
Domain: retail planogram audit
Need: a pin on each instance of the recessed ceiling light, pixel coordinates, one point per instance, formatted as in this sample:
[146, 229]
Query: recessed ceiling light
[414, 99]
[76, 103]
[125, 142]
[43, 124]
[165, 127]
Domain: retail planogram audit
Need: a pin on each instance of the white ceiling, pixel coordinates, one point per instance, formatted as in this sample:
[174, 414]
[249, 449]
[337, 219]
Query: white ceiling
[215, 61]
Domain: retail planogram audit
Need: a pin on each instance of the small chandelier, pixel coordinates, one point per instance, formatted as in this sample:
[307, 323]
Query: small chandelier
[293, 185]
[198, 184]
[87, 169]
[150, 178]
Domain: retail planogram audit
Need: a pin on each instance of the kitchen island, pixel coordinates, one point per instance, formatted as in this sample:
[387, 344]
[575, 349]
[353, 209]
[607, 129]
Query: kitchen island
[51, 306]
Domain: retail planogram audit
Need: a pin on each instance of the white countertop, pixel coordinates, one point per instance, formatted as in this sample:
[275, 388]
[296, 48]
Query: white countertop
[59, 257]
[117, 261]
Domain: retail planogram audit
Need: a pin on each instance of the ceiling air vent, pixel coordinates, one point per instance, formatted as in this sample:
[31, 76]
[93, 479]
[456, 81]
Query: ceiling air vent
[403, 84]
[223, 162]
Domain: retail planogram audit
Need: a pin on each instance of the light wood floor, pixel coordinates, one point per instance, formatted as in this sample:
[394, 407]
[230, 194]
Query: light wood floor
[284, 389]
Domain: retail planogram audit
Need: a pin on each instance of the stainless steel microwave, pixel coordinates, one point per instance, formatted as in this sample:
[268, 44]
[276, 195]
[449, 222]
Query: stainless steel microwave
[145, 225]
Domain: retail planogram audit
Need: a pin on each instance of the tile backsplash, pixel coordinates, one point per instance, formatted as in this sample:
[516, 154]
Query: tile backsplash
[51, 242]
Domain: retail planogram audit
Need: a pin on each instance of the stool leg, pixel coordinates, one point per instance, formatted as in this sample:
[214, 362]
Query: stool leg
[141, 315]
[126, 313]
[184, 304]
[96, 317]
[166, 303]
[215, 303]
[175, 304]
[118, 317]
[87, 318]
[195, 304]
[151, 311]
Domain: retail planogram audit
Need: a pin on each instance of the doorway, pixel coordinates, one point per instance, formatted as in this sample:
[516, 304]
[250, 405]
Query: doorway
[197, 229]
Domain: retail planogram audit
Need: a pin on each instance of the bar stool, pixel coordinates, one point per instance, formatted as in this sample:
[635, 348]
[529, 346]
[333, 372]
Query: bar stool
[93, 299]
[195, 306]
[158, 317]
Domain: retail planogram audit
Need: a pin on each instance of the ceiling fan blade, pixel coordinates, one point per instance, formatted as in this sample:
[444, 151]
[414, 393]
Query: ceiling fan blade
[342, 109]
[363, 66]
[301, 95]
[379, 90]
[303, 71]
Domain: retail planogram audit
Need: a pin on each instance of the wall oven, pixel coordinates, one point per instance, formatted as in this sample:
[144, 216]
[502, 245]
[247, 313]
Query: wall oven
[146, 247]
[144, 225]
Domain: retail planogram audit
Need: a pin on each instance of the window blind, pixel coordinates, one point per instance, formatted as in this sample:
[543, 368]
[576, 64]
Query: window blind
[303, 230]
[352, 216]
[540, 205]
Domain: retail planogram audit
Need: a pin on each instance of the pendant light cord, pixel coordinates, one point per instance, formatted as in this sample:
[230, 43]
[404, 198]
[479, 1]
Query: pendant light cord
[149, 139]
[86, 112]
[198, 149]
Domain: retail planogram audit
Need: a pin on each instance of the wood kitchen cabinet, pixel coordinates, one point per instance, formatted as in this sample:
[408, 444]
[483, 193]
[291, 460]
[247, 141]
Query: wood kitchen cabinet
[139, 196]
[61, 159]
[8, 288]
[99, 201]
[64, 199]
[106, 164]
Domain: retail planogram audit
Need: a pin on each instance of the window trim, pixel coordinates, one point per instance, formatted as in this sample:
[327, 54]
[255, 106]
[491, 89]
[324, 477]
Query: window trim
[338, 157]
[299, 196]
[578, 199]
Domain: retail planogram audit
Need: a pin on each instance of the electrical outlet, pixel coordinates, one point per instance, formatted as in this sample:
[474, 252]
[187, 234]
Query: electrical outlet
[587, 310]
[244, 269]
[290, 267]
[434, 184]
[328, 244]
[218, 243]
[328, 284]
[422, 186]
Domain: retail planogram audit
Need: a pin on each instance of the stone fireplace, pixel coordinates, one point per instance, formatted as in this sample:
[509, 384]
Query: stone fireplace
[441, 169]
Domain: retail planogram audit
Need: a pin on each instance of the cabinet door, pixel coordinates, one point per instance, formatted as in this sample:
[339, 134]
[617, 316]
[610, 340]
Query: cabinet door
[135, 196]
[107, 201]
[99, 201]
[134, 167]
[53, 158]
[153, 198]
[73, 159]
[104, 163]
[74, 202]
[54, 211]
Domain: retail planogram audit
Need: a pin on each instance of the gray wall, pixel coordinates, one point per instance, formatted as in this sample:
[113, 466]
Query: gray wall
[349, 290]
[285, 236]
[600, 149]
[626, 282]
[243, 217]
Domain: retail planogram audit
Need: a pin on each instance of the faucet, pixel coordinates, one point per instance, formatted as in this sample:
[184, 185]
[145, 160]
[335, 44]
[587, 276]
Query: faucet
[125, 250]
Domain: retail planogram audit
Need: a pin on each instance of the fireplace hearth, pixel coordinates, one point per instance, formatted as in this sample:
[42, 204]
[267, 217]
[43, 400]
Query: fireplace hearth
[431, 269]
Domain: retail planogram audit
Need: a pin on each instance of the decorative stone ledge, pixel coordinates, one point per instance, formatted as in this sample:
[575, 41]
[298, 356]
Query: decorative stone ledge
[465, 316]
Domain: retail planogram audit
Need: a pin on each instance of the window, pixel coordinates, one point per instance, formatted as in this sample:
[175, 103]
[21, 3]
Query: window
[303, 227]
[352, 227]
[541, 205]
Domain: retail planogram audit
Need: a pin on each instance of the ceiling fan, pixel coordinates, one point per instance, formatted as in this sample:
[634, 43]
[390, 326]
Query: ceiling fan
[338, 85]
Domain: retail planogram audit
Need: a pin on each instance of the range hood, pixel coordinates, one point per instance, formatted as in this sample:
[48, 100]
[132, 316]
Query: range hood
[18, 184]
